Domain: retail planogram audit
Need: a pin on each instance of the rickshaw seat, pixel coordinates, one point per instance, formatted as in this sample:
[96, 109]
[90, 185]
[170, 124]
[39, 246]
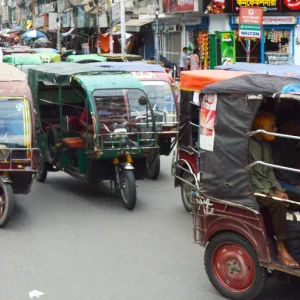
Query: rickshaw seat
[73, 142]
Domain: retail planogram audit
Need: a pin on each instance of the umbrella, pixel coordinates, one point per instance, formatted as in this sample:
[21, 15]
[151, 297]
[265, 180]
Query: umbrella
[33, 34]
[42, 41]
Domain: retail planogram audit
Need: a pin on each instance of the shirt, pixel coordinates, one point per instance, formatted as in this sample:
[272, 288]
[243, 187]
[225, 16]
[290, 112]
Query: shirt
[83, 118]
[183, 60]
[285, 154]
[195, 62]
[262, 177]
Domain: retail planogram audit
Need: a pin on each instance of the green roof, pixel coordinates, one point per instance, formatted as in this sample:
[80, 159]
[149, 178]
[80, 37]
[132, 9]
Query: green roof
[86, 57]
[24, 60]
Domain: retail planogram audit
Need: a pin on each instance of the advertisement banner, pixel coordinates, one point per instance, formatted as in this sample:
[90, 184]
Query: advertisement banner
[207, 122]
[175, 6]
[227, 45]
[250, 20]
[290, 5]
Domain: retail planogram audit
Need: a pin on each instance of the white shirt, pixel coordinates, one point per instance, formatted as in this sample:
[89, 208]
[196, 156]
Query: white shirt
[183, 60]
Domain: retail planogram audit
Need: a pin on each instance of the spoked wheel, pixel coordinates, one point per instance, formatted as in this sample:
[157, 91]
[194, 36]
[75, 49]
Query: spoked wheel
[6, 203]
[128, 189]
[153, 167]
[233, 268]
[186, 191]
[42, 170]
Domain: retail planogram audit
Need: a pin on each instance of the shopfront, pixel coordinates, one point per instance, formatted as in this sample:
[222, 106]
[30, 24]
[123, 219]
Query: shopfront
[276, 44]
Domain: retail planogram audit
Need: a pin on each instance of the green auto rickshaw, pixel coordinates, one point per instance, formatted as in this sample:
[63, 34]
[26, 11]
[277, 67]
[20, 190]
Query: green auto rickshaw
[94, 124]
[85, 58]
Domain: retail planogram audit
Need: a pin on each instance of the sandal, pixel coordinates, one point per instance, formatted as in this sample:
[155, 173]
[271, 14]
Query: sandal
[289, 264]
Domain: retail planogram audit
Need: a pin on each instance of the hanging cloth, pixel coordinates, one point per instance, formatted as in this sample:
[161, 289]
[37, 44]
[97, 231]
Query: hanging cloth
[104, 43]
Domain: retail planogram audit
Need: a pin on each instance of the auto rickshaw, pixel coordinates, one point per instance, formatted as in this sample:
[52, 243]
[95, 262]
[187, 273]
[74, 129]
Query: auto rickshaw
[85, 58]
[17, 139]
[215, 128]
[161, 93]
[94, 124]
[191, 84]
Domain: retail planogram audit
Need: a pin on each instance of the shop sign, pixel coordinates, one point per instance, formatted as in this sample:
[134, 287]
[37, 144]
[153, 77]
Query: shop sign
[275, 20]
[191, 21]
[116, 14]
[171, 6]
[250, 22]
[290, 5]
[5, 14]
[52, 21]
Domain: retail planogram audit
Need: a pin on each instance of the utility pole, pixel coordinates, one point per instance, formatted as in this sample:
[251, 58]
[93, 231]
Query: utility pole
[123, 27]
[58, 21]
[33, 14]
[111, 41]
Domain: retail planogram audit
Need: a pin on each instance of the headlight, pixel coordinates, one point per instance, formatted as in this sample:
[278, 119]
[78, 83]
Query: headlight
[4, 153]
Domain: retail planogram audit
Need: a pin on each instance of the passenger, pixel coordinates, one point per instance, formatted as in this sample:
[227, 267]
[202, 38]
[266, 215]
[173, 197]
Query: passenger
[87, 137]
[264, 182]
[285, 152]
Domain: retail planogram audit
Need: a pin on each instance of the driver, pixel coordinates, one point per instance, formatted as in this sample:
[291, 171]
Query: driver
[264, 182]
[87, 132]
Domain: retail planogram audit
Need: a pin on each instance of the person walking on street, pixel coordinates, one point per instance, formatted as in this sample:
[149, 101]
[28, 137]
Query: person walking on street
[184, 60]
[195, 60]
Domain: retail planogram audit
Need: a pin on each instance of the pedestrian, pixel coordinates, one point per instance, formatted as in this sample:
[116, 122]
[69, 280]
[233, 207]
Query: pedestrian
[63, 48]
[195, 60]
[184, 60]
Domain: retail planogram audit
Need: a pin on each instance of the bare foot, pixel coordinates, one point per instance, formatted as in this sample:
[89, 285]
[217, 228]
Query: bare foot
[285, 257]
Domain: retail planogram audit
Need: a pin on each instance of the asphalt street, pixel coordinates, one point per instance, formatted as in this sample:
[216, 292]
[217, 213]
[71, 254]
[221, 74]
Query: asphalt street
[73, 241]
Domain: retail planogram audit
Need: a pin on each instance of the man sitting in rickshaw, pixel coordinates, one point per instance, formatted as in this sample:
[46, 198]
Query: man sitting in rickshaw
[264, 182]
[87, 132]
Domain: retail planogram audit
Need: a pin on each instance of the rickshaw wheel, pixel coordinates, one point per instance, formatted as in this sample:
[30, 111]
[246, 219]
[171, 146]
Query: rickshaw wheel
[42, 171]
[52, 139]
[128, 189]
[6, 203]
[153, 167]
[186, 190]
[233, 267]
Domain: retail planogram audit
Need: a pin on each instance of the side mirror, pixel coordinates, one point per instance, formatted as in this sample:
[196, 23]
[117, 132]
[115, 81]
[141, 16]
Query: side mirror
[143, 101]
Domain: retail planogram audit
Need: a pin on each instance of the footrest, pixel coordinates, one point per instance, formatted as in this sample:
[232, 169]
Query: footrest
[73, 142]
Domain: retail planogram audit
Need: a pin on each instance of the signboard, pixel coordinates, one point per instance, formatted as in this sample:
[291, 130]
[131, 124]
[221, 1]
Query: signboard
[290, 5]
[268, 5]
[5, 14]
[67, 19]
[250, 22]
[52, 21]
[116, 14]
[191, 21]
[274, 20]
[173, 6]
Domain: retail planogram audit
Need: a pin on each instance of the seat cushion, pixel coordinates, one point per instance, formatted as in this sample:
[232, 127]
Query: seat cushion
[74, 142]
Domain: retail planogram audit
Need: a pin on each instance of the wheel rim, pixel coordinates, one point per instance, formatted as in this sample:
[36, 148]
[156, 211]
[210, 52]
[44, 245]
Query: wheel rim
[2, 202]
[187, 189]
[233, 267]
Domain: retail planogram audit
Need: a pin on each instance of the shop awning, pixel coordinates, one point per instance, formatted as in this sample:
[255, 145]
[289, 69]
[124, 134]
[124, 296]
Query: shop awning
[134, 25]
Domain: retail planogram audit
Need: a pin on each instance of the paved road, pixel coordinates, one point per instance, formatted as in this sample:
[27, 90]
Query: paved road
[76, 242]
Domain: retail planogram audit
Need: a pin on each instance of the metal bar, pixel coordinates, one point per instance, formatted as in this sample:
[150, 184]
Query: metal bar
[194, 124]
[251, 133]
[270, 165]
[276, 198]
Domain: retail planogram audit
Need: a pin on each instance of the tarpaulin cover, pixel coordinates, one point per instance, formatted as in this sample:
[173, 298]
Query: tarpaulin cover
[223, 169]
[197, 80]
[279, 70]
[130, 66]
[22, 60]
[267, 85]
[85, 57]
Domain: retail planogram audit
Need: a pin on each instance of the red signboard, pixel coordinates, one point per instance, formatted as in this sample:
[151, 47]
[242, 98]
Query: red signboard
[250, 22]
[174, 6]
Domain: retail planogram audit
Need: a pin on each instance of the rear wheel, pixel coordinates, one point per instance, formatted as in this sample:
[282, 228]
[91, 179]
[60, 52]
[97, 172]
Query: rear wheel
[233, 268]
[153, 167]
[186, 191]
[52, 139]
[128, 188]
[42, 170]
[6, 203]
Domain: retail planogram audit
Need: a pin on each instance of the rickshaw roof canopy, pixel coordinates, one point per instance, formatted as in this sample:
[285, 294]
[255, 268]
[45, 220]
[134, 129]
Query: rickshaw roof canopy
[255, 84]
[61, 73]
[130, 66]
[197, 80]
[10, 74]
[279, 70]
[22, 60]
[117, 56]
[85, 57]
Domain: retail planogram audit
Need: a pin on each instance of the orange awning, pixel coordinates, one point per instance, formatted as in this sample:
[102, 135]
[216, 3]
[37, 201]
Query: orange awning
[197, 80]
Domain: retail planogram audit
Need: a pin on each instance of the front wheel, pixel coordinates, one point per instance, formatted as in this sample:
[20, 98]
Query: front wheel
[6, 203]
[186, 191]
[153, 167]
[128, 188]
[233, 268]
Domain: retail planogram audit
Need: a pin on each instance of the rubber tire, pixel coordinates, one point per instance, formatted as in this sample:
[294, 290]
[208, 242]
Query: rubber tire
[153, 167]
[261, 274]
[186, 203]
[42, 171]
[52, 133]
[10, 203]
[129, 178]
